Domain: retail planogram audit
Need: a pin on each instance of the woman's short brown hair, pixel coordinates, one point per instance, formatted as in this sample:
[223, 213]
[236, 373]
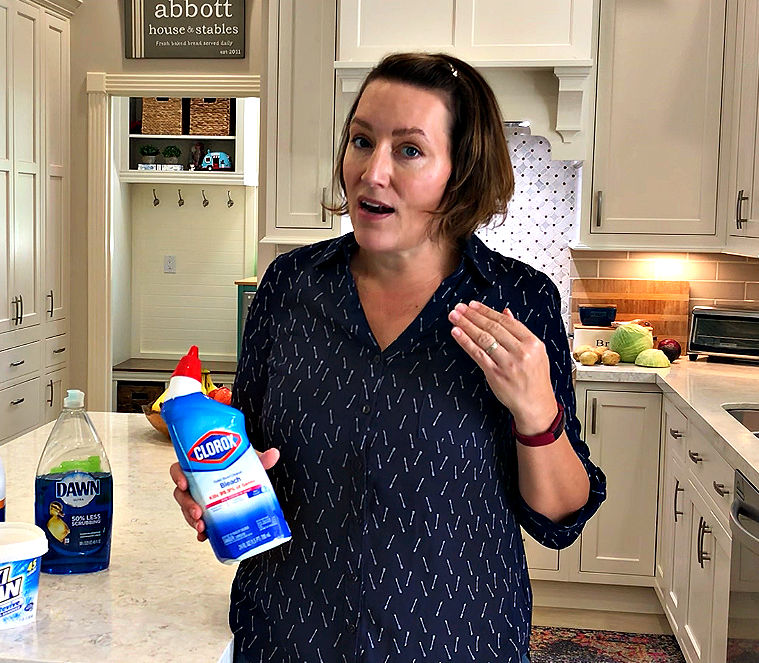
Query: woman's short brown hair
[482, 180]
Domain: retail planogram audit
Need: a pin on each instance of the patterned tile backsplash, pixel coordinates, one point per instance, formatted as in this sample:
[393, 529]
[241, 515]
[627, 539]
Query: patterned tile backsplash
[541, 216]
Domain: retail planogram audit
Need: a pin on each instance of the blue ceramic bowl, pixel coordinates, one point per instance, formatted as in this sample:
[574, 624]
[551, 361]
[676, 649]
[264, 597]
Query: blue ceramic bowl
[599, 315]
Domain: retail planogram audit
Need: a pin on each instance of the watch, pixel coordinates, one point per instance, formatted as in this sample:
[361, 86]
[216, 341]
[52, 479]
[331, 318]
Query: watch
[542, 439]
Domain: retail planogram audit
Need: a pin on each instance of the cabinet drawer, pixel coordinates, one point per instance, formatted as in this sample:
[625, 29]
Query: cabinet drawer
[675, 430]
[19, 361]
[56, 350]
[19, 408]
[713, 473]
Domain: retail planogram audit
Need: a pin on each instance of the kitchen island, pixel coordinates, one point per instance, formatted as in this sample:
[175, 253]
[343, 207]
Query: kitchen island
[164, 598]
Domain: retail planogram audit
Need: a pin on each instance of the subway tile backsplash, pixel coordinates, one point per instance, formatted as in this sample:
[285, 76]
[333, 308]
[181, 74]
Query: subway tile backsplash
[715, 279]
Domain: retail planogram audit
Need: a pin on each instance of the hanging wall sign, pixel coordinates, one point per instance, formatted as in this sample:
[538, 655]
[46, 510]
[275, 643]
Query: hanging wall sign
[184, 28]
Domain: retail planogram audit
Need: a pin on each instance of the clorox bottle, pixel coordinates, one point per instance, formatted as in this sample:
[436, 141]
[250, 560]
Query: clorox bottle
[73, 502]
[240, 510]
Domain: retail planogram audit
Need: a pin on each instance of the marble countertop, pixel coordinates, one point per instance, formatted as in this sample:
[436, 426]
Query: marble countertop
[701, 388]
[164, 597]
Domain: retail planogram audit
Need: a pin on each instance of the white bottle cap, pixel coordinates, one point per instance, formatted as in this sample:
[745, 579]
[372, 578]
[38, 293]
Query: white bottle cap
[74, 398]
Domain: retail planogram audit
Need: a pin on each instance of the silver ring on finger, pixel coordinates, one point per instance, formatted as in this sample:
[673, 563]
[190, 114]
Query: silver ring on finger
[491, 348]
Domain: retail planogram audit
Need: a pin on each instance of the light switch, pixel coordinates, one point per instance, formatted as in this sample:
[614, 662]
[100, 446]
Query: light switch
[169, 264]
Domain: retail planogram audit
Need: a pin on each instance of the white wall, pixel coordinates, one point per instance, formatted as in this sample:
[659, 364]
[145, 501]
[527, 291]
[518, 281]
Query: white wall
[198, 304]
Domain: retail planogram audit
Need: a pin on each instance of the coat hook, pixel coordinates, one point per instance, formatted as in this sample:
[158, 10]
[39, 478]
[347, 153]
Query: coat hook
[155, 199]
[180, 202]
[205, 200]
[230, 202]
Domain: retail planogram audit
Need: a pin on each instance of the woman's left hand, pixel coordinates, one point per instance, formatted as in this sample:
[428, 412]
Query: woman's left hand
[513, 359]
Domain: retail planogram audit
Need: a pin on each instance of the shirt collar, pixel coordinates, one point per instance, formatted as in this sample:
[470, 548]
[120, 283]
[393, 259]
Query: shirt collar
[473, 250]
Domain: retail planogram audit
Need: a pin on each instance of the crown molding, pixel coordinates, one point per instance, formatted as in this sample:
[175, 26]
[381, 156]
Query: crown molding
[174, 85]
[64, 7]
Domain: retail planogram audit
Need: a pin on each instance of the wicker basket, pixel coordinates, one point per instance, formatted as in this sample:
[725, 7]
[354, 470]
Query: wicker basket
[161, 116]
[209, 117]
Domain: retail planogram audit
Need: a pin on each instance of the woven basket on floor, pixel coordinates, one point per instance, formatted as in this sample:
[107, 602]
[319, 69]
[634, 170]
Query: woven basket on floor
[209, 117]
[161, 116]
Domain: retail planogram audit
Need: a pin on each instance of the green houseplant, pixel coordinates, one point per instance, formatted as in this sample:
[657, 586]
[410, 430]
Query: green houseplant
[171, 154]
[148, 153]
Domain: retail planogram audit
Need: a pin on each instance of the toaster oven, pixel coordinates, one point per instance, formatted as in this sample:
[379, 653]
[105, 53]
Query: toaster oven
[724, 333]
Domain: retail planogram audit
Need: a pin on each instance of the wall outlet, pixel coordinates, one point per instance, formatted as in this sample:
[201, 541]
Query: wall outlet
[169, 264]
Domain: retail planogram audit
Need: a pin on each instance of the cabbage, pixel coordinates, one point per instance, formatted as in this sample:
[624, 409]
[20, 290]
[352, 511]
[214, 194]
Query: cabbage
[652, 359]
[630, 340]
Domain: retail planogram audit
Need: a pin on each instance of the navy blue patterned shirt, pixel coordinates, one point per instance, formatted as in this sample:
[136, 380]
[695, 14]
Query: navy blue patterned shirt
[398, 470]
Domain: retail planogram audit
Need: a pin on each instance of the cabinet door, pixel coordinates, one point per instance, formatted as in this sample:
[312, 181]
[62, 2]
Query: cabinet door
[6, 164]
[477, 30]
[622, 432]
[54, 385]
[305, 93]
[675, 519]
[746, 185]
[25, 219]
[538, 556]
[657, 117]
[56, 212]
[704, 632]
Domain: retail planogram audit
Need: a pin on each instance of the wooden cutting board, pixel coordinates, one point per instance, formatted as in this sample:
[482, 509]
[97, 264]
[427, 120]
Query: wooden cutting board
[665, 304]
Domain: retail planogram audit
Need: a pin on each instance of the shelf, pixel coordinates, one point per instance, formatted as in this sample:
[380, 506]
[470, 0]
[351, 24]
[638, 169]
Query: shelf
[181, 177]
[180, 137]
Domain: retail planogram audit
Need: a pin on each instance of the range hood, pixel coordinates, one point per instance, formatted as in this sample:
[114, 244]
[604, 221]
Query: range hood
[539, 63]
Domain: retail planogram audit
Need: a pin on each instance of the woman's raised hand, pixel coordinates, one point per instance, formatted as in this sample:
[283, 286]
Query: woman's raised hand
[513, 359]
[190, 508]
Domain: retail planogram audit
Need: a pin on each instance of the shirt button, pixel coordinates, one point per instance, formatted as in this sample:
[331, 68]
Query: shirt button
[376, 359]
[351, 628]
[366, 409]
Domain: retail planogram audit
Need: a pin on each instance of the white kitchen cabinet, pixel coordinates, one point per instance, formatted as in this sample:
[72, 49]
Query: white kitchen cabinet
[297, 120]
[57, 171]
[476, 30]
[693, 553]
[741, 204]
[34, 202]
[622, 431]
[704, 632]
[539, 558]
[657, 126]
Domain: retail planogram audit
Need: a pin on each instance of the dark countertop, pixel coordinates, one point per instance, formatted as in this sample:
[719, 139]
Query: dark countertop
[168, 365]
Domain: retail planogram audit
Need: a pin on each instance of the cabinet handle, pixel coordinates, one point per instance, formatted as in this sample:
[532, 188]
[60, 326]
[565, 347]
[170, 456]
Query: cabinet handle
[693, 455]
[50, 400]
[18, 401]
[52, 300]
[59, 350]
[720, 489]
[599, 203]
[677, 490]
[21, 306]
[703, 529]
[322, 203]
[593, 407]
[738, 205]
[675, 433]
[13, 364]
[14, 303]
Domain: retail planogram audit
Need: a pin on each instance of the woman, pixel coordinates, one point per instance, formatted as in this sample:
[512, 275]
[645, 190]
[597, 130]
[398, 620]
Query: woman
[416, 432]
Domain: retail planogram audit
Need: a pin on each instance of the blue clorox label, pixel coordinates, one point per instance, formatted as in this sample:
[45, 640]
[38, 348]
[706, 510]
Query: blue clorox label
[216, 446]
[240, 510]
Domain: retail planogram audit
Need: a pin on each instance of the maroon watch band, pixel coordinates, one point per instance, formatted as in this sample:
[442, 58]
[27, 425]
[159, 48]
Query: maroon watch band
[542, 439]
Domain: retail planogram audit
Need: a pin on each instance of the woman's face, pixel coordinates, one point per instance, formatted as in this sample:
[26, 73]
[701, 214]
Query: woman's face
[396, 165]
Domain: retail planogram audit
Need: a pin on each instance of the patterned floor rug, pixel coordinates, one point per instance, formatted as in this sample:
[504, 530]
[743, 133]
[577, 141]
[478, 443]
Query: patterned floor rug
[569, 645]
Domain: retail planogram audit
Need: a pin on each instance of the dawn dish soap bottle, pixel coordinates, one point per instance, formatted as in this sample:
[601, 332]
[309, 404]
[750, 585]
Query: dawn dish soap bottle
[74, 493]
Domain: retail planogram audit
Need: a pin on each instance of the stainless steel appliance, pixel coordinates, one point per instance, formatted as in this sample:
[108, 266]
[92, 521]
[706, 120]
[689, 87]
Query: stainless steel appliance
[724, 333]
[743, 618]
